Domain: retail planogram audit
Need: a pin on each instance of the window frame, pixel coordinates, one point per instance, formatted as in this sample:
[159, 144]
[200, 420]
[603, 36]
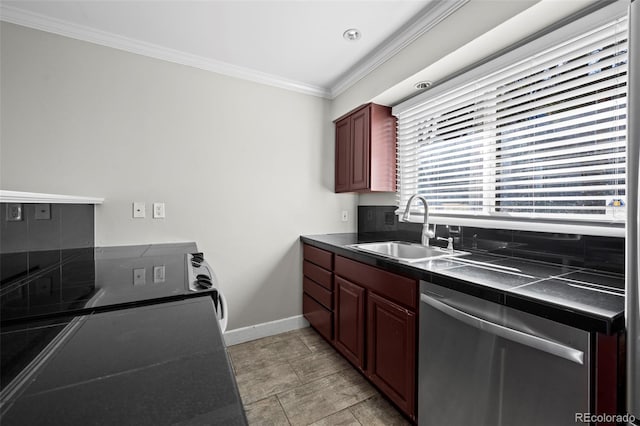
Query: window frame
[574, 29]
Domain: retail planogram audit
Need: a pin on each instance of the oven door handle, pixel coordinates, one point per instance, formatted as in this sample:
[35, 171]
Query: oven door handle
[536, 342]
[223, 312]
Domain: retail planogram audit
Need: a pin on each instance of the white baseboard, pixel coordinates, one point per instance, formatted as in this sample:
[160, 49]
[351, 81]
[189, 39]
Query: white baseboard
[258, 331]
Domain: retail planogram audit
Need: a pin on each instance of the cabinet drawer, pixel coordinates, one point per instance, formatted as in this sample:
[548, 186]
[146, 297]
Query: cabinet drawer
[319, 293]
[318, 316]
[397, 288]
[317, 274]
[318, 256]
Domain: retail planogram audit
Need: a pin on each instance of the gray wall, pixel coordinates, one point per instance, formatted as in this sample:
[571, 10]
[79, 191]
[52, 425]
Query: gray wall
[243, 168]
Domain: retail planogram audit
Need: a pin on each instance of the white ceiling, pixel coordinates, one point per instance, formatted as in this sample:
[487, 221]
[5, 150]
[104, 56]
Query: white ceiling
[296, 44]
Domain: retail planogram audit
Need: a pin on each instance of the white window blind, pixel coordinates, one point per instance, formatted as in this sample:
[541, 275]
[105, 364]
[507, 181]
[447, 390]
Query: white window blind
[543, 137]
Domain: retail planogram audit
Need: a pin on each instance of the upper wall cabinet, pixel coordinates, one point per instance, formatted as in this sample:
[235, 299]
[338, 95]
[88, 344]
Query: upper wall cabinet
[366, 150]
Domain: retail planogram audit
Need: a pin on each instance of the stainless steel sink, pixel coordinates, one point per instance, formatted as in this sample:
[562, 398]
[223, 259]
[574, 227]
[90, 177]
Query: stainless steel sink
[408, 252]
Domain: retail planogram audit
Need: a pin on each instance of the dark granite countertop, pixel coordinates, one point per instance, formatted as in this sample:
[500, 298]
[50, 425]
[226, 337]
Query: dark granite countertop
[584, 298]
[171, 368]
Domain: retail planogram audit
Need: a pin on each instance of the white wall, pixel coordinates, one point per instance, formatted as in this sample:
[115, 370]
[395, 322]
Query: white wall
[243, 168]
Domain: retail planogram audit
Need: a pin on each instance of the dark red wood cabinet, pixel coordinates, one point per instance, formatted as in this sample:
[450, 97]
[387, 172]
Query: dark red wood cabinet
[389, 358]
[343, 156]
[349, 321]
[391, 351]
[365, 150]
[317, 284]
[610, 375]
[373, 320]
[390, 330]
[318, 316]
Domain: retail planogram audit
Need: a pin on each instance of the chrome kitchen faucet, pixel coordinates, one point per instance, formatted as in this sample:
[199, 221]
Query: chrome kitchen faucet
[426, 232]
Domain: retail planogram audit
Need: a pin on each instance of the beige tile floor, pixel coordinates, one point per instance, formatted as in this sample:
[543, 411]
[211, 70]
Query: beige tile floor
[296, 378]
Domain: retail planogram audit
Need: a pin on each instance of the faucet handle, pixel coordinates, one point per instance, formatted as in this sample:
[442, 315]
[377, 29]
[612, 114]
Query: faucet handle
[450, 242]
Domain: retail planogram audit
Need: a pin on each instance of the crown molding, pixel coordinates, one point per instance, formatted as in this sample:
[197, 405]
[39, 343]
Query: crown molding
[36, 197]
[433, 14]
[41, 22]
[430, 16]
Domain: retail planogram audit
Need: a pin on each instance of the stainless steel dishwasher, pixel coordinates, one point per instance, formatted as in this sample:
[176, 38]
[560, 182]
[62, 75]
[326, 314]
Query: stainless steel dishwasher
[482, 363]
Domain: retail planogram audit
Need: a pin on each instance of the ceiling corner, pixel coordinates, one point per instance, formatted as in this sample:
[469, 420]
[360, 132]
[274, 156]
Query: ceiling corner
[434, 13]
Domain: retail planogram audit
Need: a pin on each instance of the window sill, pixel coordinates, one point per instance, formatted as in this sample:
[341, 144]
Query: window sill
[594, 229]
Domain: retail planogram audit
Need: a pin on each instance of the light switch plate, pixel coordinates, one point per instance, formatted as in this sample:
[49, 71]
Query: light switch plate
[43, 212]
[158, 274]
[139, 276]
[345, 215]
[139, 210]
[158, 210]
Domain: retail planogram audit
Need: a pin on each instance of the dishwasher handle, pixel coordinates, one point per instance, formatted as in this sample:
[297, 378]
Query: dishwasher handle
[539, 343]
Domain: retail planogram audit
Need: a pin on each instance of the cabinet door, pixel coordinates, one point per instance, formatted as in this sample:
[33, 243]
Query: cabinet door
[343, 155]
[360, 140]
[349, 320]
[391, 361]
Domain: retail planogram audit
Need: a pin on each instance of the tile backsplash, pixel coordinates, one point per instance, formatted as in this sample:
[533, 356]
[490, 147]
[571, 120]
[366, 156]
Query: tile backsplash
[38, 238]
[604, 253]
[47, 227]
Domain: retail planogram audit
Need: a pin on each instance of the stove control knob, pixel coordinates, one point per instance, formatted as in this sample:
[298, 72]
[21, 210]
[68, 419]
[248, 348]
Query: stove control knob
[204, 283]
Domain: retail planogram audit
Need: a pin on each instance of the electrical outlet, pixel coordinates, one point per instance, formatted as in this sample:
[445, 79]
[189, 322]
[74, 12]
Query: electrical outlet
[158, 210]
[43, 212]
[14, 212]
[158, 274]
[389, 218]
[139, 276]
[345, 215]
[139, 210]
